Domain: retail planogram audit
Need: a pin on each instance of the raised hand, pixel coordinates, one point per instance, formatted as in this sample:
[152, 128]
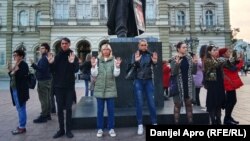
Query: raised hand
[93, 61]
[71, 57]
[50, 58]
[9, 67]
[177, 59]
[154, 57]
[118, 61]
[137, 56]
[31, 61]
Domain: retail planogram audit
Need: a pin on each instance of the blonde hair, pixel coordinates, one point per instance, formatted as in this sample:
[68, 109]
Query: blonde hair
[105, 46]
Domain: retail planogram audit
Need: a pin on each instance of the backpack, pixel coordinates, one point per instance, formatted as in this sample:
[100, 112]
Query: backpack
[31, 80]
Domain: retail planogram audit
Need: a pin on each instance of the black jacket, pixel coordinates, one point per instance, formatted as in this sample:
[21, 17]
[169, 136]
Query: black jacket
[144, 66]
[42, 68]
[86, 67]
[21, 77]
[131, 23]
[63, 71]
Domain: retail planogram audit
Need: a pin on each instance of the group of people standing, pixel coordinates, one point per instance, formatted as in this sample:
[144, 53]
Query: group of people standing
[216, 70]
[56, 74]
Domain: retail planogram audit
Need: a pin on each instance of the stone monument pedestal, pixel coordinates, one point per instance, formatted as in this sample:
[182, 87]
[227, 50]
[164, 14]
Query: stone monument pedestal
[85, 113]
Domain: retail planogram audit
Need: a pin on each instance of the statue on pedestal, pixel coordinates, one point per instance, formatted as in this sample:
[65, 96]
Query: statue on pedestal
[122, 20]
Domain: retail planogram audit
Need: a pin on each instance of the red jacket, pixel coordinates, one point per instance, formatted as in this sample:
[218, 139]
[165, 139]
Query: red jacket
[166, 75]
[232, 80]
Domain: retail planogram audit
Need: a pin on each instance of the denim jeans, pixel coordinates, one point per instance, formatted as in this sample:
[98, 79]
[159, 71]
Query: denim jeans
[86, 87]
[100, 110]
[144, 87]
[22, 115]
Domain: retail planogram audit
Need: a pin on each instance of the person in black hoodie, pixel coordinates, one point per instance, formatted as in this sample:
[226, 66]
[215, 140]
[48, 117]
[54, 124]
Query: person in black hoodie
[43, 76]
[19, 89]
[64, 66]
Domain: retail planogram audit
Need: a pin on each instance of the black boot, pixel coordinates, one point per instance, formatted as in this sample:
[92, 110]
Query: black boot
[59, 134]
[234, 121]
[69, 134]
[40, 119]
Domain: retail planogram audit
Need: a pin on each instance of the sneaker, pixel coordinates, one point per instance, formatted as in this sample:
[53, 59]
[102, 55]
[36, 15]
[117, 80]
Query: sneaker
[140, 129]
[99, 133]
[18, 131]
[112, 133]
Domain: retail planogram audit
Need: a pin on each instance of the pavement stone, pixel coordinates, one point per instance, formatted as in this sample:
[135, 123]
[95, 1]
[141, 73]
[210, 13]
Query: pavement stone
[45, 131]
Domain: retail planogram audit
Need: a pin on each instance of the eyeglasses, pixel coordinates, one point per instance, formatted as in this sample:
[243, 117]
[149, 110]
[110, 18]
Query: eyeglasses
[14, 55]
[143, 45]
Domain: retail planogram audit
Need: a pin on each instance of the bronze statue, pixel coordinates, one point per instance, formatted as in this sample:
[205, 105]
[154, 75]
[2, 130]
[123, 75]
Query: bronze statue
[121, 18]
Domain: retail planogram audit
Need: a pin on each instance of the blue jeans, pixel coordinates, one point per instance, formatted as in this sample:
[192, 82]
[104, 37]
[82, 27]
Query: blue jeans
[86, 87]
[100, 110]
[22, 115]
[144, 87]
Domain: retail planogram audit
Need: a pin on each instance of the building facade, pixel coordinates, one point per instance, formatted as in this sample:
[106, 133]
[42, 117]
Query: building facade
[27, 23]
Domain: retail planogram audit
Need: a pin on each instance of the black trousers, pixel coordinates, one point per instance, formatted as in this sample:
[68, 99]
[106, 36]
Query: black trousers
[231, 100]
[197, 96]
[123, 11]
[64, 98]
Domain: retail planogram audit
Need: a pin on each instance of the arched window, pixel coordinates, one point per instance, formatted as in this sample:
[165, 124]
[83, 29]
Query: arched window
[181, 18]
[38, 18]
[23, 18]
[209, 18]
[83, 48]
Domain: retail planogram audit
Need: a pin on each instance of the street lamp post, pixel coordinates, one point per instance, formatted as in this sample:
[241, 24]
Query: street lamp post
[192, 43]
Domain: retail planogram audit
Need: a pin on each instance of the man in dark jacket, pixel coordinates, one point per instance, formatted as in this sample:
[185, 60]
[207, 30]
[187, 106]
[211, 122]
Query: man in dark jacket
[143, 84]
[121, 18]
[19, 88]
[43, 76]
[64, 66]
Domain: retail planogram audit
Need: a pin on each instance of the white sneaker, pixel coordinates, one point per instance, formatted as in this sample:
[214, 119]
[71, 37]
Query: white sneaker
[99, 133]
[140, 129]
[112, 133]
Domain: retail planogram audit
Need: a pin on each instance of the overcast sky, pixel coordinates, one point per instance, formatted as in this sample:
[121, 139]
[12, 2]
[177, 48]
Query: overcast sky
[240, 18]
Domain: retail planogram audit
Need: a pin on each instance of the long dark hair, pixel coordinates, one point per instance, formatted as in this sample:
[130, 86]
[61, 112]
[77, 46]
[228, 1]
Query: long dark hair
[202, 52]
[209, 49]
[178, 45]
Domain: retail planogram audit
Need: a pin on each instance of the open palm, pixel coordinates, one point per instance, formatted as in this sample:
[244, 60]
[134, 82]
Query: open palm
[71, 57]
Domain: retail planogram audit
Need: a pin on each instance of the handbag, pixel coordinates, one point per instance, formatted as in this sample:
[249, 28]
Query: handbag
[174, 90]
[31, 80]
[85, 76]
[131, 72]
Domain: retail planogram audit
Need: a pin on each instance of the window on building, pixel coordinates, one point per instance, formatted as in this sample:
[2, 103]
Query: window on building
[61, 9]
[2, 58]
[23, 18]
[150, 9]
[103, 13]
[181, 18]
[83, 9]
[209, 18]
[37, 54]
[38, 18]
